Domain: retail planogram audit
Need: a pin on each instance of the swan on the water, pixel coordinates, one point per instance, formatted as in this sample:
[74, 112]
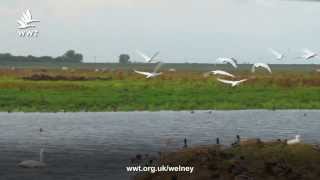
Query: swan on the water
[34, 163]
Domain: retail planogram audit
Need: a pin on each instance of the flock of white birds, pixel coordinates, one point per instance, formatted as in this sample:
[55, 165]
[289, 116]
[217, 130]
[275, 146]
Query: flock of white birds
[307, 54]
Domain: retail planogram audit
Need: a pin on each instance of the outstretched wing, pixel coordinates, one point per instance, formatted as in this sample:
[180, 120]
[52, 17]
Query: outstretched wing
[28, 15]
[231, 61]
[253, 69]
[154, 56]
[242, 80]
[276, 53]
[225, 81]
[21, 23]
[263, 65]
[224, 73]
[159, 65]
[143, 73]
[307, 51]
[143, 55]
[266, 66]
[24, 17]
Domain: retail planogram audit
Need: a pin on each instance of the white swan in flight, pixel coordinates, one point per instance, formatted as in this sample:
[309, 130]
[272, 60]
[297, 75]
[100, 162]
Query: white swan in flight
[26, 20]
[220, 72]
[231, 61]
[146, 57]
[151, 74]
[263, 65]
[278, 55]
[296, 140]
[308, 54]
[33, 163]
[233, 83]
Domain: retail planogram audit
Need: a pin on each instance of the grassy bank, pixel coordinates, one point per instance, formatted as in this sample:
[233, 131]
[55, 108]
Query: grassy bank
[84, 90]
[260, 161]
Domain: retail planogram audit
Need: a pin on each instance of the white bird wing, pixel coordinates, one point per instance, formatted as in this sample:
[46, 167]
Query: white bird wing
[154, 56]
[21, 23]
[263, 65]
[159, 65]
[143, 73]
[25, 17]
[308, 54]
[222, 73]
[266, 66]
[147, 58]
[225, 81]
[276, 53]
[242, 80]
[236, 83]
[28, 15]
[231, 61]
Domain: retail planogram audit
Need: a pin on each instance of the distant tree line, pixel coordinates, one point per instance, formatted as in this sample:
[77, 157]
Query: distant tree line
[124, 59]
[69, 56]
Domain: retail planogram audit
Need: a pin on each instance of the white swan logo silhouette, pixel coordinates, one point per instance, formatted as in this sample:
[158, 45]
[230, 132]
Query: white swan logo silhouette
[25, 23]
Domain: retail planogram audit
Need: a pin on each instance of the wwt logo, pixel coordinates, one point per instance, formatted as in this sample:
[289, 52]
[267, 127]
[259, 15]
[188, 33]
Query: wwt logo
[26, 26]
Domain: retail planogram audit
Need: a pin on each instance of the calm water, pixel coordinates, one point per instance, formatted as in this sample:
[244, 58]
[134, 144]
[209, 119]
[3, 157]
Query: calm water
[100, 145]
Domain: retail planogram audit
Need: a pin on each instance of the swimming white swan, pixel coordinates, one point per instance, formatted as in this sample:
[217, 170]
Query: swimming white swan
[147, 58]
[296, 140]
[231, 61]
[263, 65]
[33, 163]
[308, 54]
[278, 55]
[220, 72]
[151, 74]
[233, 83]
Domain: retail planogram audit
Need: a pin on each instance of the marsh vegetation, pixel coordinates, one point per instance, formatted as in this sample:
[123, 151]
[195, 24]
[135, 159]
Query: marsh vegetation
[53, 90]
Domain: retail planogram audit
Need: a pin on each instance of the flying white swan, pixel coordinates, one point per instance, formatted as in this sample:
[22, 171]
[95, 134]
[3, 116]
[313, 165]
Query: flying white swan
[263, 65]
[147, 58]
[26, 20]
[151, 74]
[224, 73]
[233, 83]
[278, 55]
[296, 140]
[231, 61]
[308, 54]
[33, 163]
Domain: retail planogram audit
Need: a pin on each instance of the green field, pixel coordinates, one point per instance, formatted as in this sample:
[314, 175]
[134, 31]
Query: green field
[123, 90]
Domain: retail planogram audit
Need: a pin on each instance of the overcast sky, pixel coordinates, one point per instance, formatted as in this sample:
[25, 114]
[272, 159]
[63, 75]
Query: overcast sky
[182, 30]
